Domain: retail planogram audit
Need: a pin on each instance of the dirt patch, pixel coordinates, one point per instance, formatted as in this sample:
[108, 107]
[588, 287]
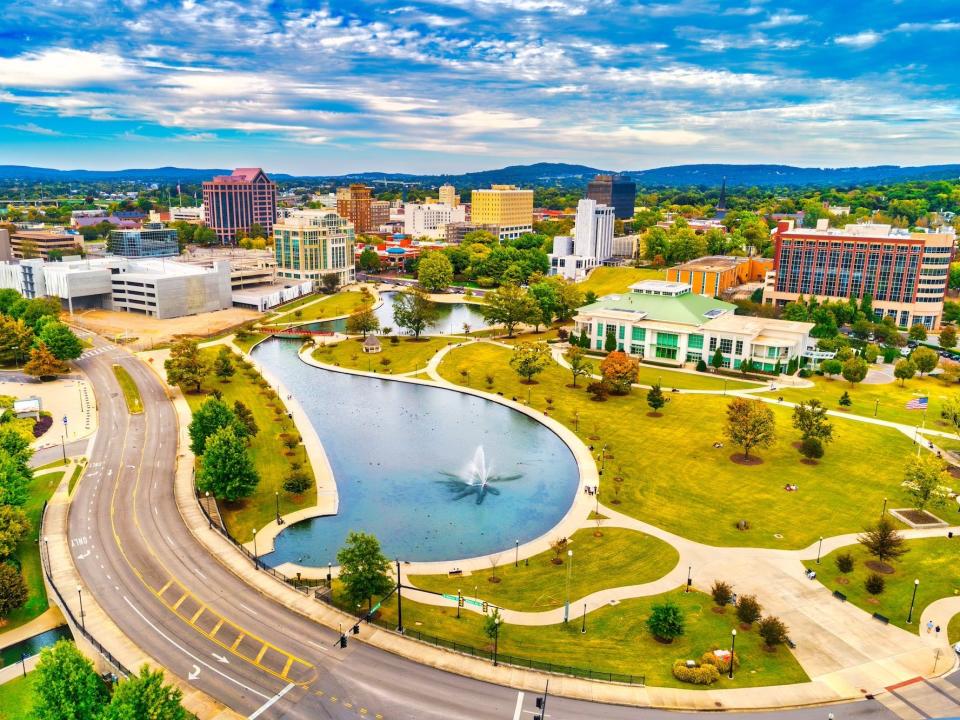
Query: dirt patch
[741, 459]
[597, 534]
[843, 581]
[557, 561]
[654, 414]
[809, 461]
[718, 610]
[494, 580]
[919, 517]
[151, 331]
[873, 601]
[880, 567]
[663, 641]
[797, 445]
[746, 627]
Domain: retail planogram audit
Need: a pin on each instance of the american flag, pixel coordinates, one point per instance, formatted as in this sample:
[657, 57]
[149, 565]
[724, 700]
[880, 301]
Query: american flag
[919, 403]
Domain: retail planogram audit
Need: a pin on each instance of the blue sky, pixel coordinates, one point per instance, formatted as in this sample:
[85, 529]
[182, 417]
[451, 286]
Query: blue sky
[459, 85]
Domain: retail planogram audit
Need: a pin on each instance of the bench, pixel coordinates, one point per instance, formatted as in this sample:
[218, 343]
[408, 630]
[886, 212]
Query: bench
[453, 573]
[882, 618]
[839, 596]
[791, 644]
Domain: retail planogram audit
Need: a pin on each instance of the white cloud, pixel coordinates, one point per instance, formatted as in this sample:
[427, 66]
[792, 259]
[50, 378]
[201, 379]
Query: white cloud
[781, 19]
[478, 121]
[860, 40]
[64, 67]
[939, 26]
[199, 137]
[35, 129]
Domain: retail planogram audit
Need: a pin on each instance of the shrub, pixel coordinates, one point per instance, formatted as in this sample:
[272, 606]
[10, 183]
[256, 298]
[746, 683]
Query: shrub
[701, 365]
[394, 340]
[804, 373]
[385, 361]
[600, 390]
[297, 482]
[844, 562]
[773, 631]
[720, 663]
[563, 334]
[666, 621]
[811, 448]
[699, 675]
[874, 584]
[42, 425]
[748, 609]
[721, 593]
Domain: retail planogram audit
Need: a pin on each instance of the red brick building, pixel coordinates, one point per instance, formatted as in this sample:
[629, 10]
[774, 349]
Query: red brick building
[235, 202]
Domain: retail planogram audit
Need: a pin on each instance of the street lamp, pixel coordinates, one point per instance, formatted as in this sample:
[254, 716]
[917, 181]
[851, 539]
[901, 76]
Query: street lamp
[459, 600]
[566, 607]
[496, 638]
[516, 556]
[733, 645]
[916, 584]
[884, 511]
[256, 558]
[277, 496]
[83, 622]
[876, 407]
[819, 547]
[209, 516]
[583, 627]
[329, 574]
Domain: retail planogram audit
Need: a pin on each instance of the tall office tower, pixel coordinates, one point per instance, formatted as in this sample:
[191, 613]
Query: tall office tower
[235, 202]
[616, 191]
[353, 204]
[505, 206]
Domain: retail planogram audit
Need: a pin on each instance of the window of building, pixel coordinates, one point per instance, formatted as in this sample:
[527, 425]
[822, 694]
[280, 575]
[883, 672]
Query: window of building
[621, 329]
[636, 349]
[667, 339]
[739, 350]
[696, 342]
[667, 353]
[638, 333]
[726, 345]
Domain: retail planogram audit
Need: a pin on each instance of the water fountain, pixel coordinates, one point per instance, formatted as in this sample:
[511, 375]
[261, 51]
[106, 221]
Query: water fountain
[475, 479]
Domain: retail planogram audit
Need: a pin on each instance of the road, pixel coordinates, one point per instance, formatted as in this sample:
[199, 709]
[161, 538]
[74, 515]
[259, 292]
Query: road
[180, 606]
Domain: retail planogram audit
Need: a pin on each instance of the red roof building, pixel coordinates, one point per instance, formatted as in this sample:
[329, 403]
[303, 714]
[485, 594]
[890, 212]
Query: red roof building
[237, 201]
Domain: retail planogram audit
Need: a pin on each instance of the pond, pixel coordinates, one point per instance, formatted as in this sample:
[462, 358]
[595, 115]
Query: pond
[434, 473]
[451, 320]
[33, 645]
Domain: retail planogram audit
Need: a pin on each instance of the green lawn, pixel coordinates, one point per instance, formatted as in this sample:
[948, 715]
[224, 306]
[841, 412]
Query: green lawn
[294, 304]
[343, 303]
[617, 640]
[953, 629]
[251, 339]
[74, 477]
[607, 280]
[932, 560]
[892, 398]
[130, 392]
[28, 552]
[16, 699]
[406, 356]
[618, 557]
[268, 454]
[675, 478]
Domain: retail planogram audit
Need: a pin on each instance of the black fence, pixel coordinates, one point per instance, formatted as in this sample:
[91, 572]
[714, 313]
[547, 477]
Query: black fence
[77, 625]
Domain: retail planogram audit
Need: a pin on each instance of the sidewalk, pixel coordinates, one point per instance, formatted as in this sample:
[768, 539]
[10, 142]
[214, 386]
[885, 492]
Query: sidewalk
[51, 618]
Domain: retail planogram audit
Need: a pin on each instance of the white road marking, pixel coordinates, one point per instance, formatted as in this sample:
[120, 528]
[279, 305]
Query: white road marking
[194, 674]
[254, 612]
[317, 645]
[516, 713]
[269, 703]
[220, 659]
[189, 654]
[200, 573]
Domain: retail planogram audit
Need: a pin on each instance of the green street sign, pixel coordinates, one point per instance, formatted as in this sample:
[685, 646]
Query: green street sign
[451, 597]
[374, 608]
[475, 603]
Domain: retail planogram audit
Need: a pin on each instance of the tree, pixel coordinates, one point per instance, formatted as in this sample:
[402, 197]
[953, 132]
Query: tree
[620, 371]
[579, 365]
[666, 621]
[810, 419]
[492, 624]
[223, 364]
[926, 359]
[413, 311]
[145, 696]
[43, 364]
[948, 336]
[363, 321]
[297, 482]
[600, 390]
[212, 415]
[38, 310]
[748, 609]
[434, 273]
[13, 589]
[904, 370]
[330, 283]
[844, 562]
[186, 365]
[750, 424]
[66, 686]
[62, 342]
[204, 235]
[363, 568]
[917, 332]
[883, 542]
[721, 593]
[245, 417]
[546, 294]
[610, 340]
[831, 367]
[14, 525]
[226, 469]
[811, 448]
[369, 261]
[15, 479]
[861, 328]
[927, 481]
[773, 631]
[717, 360]
[854, 370]
[655, 398]
[510, 306]
[530, 359]
[845, 400]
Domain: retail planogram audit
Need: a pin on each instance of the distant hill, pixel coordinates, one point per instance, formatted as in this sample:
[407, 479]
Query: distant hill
[562, 174]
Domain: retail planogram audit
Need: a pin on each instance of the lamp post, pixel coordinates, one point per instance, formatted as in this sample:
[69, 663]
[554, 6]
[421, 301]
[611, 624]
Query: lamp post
[16, 351]
[23, 663]
[209, 516]
[724, 387]
[277, 496]
[884, 511]
[83, 623]
[689, 578]
[733, 645]
[876, 407]
[329, 574]
[516, 556]
[566, 606]
[256, 558]
[459, 600]
[916, 584]
[583, 626]
[399, 601]
[819, 547]
[496, 638]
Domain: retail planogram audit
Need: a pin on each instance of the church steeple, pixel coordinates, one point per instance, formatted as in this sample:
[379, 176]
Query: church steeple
[722, 200]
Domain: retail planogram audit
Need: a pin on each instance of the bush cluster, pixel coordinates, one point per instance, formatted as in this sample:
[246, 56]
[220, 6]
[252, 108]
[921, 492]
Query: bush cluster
[699, 675]
[722, 664]
[874, 584]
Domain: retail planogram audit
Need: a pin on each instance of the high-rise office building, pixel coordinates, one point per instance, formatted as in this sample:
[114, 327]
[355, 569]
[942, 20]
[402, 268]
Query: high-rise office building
[309, 244]
[235, 202]
[152, 240]
[448, 196]
[379, 214]
[505, 206]
[591, 244]
[904, 273]
[353, 204]
[430, 220]
[616, 191]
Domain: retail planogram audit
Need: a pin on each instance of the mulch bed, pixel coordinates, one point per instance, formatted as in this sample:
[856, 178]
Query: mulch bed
[739, 459]
[880, 567]
[493, 579]
[843, 581]
[809, 461]
[919, 517]
[719, 610]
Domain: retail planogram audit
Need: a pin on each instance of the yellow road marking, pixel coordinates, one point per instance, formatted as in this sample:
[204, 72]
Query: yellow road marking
[179, 602]
[216, 627]
[197, 614]
[166, 587]
[237, 642]
[263, 651]
[286, 668]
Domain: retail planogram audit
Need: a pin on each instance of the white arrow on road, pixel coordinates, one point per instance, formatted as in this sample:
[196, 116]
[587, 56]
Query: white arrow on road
[195, 674]
[220, 658]
[85, 555]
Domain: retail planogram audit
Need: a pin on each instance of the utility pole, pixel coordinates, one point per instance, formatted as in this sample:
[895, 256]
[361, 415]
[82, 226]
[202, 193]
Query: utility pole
[400, 601]
[542, 704]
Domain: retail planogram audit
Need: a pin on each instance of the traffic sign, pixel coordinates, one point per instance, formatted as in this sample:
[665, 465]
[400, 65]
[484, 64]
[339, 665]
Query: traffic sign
[450, 597]
[475, 603]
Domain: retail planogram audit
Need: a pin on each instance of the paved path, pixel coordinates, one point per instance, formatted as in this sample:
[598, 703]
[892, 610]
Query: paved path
[49, 619]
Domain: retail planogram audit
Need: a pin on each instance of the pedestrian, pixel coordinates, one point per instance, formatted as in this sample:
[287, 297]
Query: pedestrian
[929, 626]
[937, 630]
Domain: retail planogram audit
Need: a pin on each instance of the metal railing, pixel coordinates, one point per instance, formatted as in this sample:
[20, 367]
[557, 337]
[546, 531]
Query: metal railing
[77, 625]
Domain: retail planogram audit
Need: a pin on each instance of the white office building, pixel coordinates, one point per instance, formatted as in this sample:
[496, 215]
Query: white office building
[591, 243]
[431, 220]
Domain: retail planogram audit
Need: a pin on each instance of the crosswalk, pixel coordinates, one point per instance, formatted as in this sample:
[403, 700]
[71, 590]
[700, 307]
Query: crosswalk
[96, 351]
[920, 699]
